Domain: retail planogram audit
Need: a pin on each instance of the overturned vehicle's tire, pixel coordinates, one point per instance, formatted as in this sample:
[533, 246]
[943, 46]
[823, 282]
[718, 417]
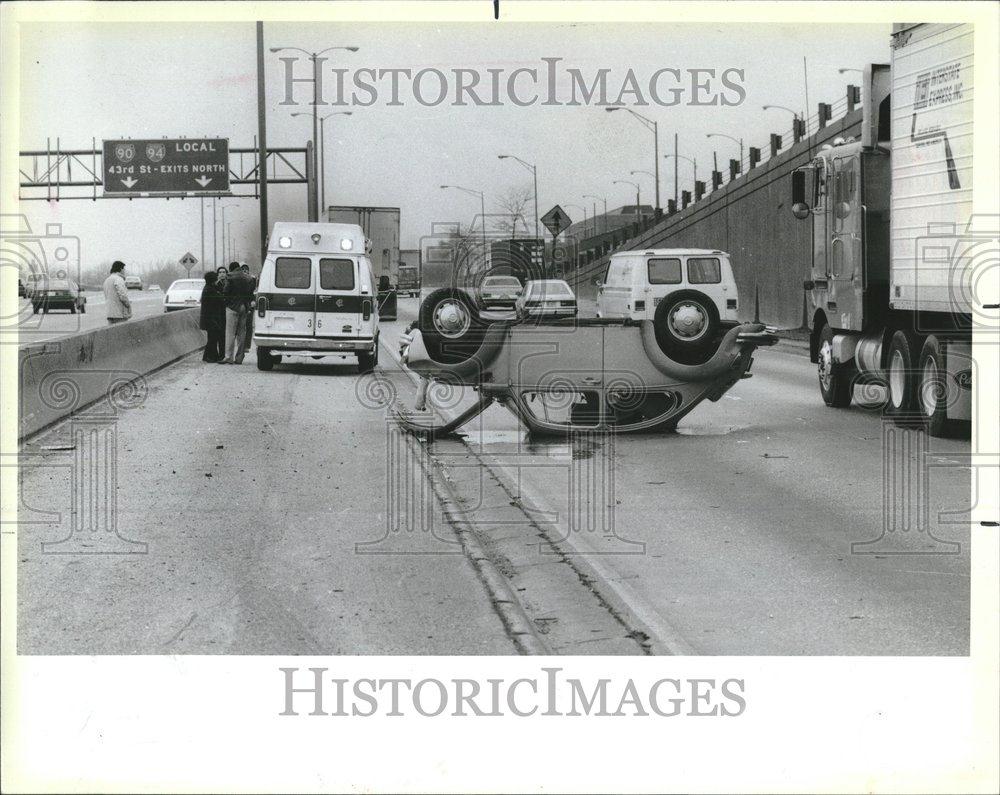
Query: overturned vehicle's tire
[687, 326]
[450, 324]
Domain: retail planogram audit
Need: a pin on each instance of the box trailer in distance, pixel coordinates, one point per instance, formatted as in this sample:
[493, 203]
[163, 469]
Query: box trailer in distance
[894, 236]
[409, 279]
[381, 227]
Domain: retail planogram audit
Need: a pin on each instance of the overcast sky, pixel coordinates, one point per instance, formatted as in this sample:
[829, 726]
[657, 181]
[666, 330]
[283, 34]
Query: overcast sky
[84, 82]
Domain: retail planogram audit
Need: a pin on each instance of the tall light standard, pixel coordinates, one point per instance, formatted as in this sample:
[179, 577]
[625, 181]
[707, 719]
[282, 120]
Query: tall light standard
[534, 173]
[634, 185]
[482, 205]
[691, 160]
[650, 125]
[215, 237]
[596, 199]
[581, 208]
[734, 140]
[322, 153]
[846, 69]
[314, 57]
[647, 173]
[794, 113]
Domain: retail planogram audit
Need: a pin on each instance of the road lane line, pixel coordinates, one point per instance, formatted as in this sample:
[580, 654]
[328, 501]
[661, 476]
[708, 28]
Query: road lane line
[519, 627]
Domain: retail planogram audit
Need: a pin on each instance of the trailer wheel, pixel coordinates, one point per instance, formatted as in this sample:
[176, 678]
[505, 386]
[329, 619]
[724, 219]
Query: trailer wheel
[836, 381]
[687, 326]
[932, 388]
[901, 376]
[450, 325]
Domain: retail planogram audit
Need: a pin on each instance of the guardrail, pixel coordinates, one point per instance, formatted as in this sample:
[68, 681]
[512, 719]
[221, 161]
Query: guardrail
[58, 378]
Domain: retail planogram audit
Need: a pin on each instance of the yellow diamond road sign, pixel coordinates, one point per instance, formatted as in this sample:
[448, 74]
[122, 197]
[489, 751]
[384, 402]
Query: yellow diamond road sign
[188, 260]
[556, 221]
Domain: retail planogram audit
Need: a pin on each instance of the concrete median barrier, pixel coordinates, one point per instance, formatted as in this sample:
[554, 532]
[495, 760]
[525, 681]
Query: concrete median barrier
[106, 366]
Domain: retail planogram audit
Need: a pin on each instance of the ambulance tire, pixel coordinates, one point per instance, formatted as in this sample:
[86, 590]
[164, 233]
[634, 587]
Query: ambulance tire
[265, 359]
[450, 325]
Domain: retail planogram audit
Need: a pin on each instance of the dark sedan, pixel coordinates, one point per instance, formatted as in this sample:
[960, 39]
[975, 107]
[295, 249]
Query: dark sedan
[58, 294]
[499, 292]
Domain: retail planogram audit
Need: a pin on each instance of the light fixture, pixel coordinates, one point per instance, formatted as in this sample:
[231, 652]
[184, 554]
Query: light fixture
[284, 242]
[346, 243]
[315, 238]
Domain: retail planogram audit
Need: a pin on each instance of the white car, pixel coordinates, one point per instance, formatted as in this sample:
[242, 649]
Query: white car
[689, 293]
[183, 294]
[499, 291]
[546, 298]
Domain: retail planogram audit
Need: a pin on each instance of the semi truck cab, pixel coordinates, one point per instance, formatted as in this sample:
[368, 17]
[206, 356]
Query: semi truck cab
[890, 215]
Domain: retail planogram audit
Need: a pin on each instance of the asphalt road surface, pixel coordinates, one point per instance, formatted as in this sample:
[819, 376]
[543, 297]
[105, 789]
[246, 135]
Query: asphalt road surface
[283, 512]
[58, 323]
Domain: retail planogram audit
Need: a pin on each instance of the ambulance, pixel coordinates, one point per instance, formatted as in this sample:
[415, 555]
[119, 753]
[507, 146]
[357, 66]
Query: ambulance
[316, 295]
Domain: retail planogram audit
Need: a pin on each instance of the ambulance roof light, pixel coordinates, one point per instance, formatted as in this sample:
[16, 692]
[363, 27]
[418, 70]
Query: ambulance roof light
[316, 238]
[346, 243]
[284, 242]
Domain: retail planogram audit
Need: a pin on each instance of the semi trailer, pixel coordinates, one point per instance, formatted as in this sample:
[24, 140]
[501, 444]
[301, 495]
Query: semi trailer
[895, 243]
[381, 227]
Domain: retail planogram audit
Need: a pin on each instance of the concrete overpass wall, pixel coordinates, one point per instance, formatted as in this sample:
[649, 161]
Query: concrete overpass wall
[751, 219]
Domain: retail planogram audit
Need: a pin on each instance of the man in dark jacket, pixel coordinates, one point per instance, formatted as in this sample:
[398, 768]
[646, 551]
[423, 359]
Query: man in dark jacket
[239, 297]
[213, 318]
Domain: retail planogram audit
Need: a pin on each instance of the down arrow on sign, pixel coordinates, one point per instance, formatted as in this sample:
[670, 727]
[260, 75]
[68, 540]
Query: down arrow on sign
[203, 181]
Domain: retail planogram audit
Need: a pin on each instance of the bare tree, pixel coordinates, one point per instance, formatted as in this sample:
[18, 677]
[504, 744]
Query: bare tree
[514, 209]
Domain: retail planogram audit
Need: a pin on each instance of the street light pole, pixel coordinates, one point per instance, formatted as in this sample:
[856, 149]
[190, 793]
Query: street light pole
[215, 235]
[604, 221]
[321, 174]
[634, 185]
[693, 161]
[675, 173]
[482, 206]
[314, 57]
[201, 217]
[734, 140]
[534, 171]
[650, 125]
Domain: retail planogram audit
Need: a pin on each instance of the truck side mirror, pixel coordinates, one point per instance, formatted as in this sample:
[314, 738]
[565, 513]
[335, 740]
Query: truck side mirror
[800, 210]
[798, 187]
[842, 210]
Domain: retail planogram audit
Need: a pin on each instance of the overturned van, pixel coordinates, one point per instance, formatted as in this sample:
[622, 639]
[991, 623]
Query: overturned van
[316, 295]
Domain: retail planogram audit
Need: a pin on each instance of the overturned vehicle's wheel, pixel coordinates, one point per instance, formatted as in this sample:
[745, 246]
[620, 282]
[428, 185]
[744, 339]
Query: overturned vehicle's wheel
[450, 324]
[687, 326]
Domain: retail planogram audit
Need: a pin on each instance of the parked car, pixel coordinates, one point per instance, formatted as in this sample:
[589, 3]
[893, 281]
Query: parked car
[183, 294]
[499, 292]
[155, 288]
[690, 294]
[133, 282]
[57, 294]
[550, 298]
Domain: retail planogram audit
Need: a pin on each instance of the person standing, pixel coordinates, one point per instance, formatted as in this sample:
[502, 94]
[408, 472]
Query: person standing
[249, 330]
[213, 318]
[116, 301]
[239, 296]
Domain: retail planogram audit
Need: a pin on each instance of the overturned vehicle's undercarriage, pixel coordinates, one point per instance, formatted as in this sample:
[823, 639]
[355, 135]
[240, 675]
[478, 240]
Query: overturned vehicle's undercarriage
[578, 374]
